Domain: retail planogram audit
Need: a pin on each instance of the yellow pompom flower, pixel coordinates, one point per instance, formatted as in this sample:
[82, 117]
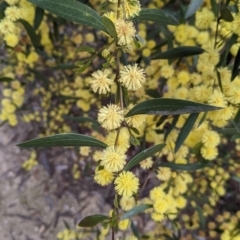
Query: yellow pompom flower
[210, 138]
[100, 82]
[209, 153]
[217, 99]
[125, 32]
[132, 77]
[167, 71]
[127, 203]
[12, 13]
[156, 193]
[126, 184]
[131, 7]
[183, 77]
[137, 120]
[110, 117]
[120, 140]
[7, 26]
[164, 173]
[113, 159]
[204, 18]
[123, 224]
[103, 177]
[234, 95]
[147, 163]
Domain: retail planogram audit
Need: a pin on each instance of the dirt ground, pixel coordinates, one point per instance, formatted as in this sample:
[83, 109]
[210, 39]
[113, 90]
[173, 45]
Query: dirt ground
[27, 210]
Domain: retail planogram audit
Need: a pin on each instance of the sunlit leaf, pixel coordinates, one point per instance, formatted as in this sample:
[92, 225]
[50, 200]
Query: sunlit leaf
[72, 10]
[193, 7]
[136, 210]
[143, 155]
[168, 106]
[156, 15]
[91, 221]
[178, 52]
[64, 139]
[186, 129]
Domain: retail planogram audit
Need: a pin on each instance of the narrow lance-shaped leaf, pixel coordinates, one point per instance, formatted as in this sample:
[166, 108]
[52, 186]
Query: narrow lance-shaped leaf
[227, 131]
[226, 15]
[143, 155]
[64, 139]
[236, 66]
[156, 15]
[109, 25]
[84, 48]
[136, 210]
[185, 167]
[193, 7]
[6, 79]
[95, 123]
[72, 10]
[31, 33]
[168, 106]
[91, 221]
[186, 129]
[178, 52]
[39, 13]
[171, 127]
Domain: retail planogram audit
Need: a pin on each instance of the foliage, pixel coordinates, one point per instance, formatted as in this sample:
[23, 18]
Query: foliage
[166, 87]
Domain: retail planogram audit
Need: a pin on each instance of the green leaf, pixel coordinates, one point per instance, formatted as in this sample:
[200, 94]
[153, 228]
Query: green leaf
[84, 48]
[171, 127]
[236, 65]
[39, 13]
[193, 7]
[135, 230]
[143, 155]
[185, 167]
[227, 131]
[84, 67]
[236, 179]
[136, 210]
[202, 219]
[168, 106]
[95, 124]
[72, 10]
[186, 129]
[40, 76]
[109, 25]
[226, 15]
[64, 139]
[178, 52]
[156, 15]
[64, 66]
[31, 33]
[3, 6]
[91, 221]
[6, 79]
